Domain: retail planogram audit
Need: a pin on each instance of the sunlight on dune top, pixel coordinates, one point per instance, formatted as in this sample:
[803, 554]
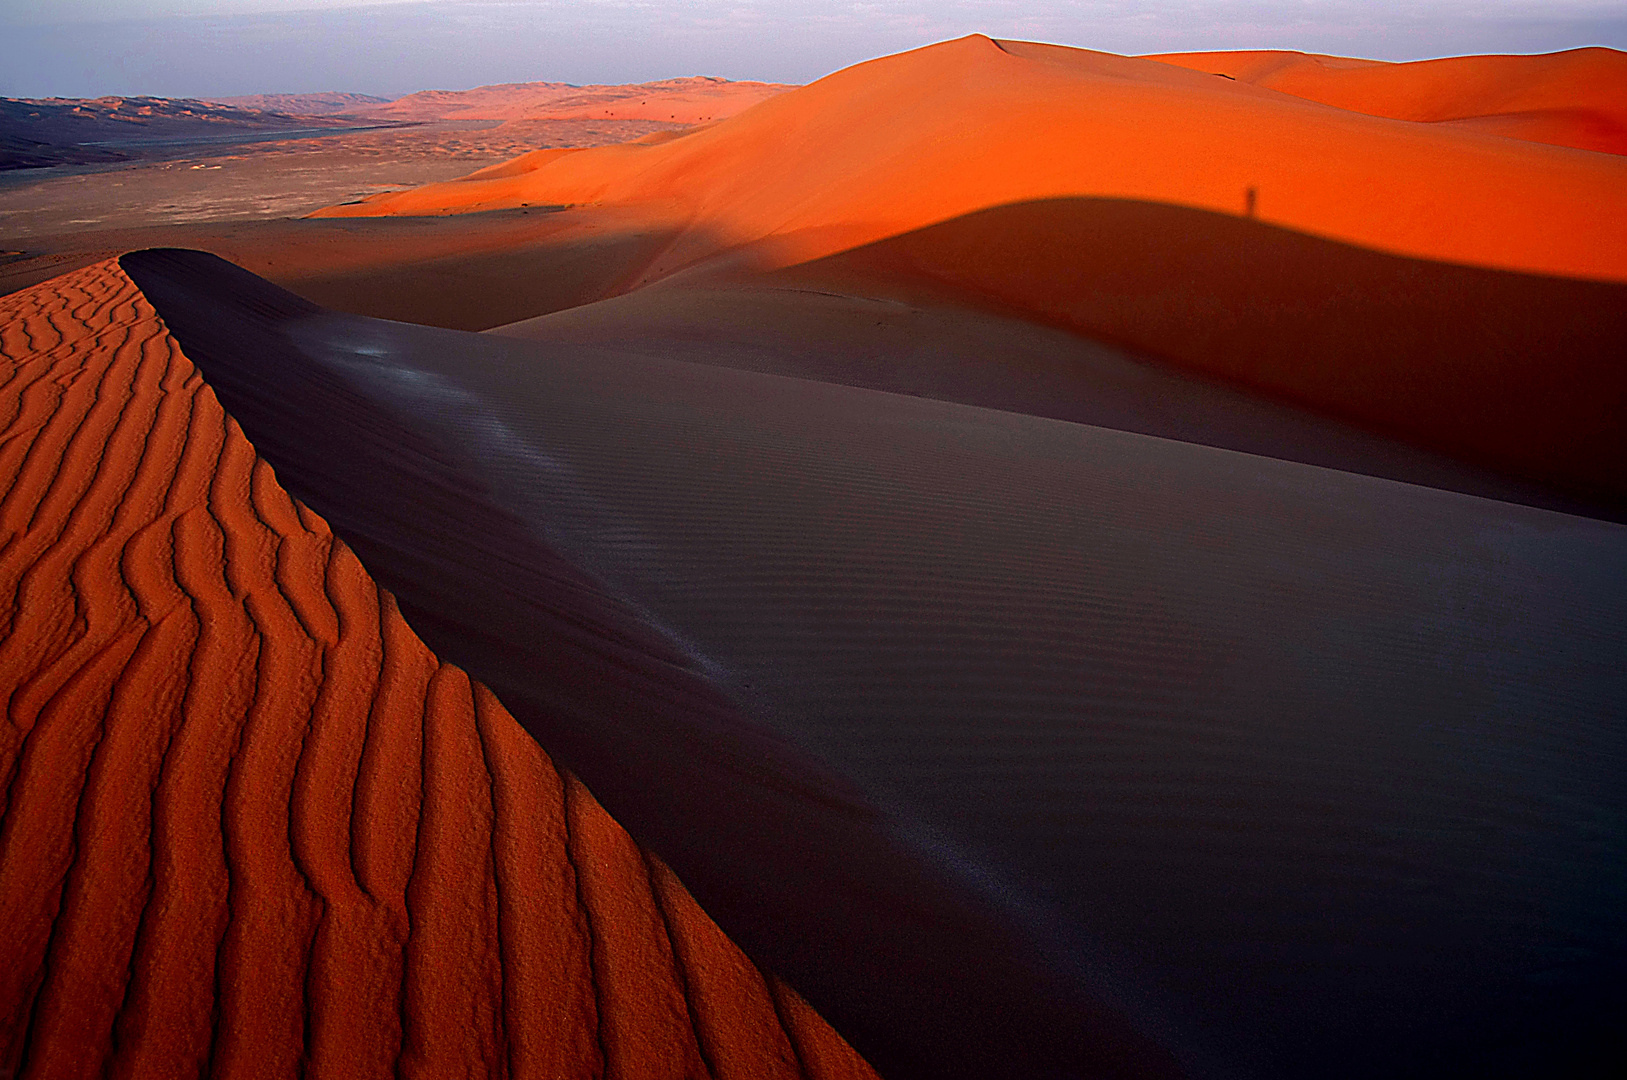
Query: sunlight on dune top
[908, 140]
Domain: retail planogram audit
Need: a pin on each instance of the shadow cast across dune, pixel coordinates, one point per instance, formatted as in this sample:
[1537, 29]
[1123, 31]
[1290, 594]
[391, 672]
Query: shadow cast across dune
[804, 869]
[1020, 747]
[953, 351]
[1515, 372]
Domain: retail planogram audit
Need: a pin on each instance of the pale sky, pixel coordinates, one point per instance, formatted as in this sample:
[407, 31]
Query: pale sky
[179, 48]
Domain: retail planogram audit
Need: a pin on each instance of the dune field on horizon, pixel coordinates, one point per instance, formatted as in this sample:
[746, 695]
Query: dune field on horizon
[1006, 560]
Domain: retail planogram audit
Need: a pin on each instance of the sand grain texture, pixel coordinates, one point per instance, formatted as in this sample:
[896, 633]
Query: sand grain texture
[251, 825]
[1023, 747]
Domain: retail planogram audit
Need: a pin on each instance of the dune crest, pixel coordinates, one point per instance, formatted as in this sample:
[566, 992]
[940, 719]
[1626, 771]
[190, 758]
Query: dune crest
[1025, 748]
[1575, 98]
[906, 141]
[251, 824]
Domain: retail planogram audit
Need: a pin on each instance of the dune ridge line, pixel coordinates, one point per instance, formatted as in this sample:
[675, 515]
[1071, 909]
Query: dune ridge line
[251, 825]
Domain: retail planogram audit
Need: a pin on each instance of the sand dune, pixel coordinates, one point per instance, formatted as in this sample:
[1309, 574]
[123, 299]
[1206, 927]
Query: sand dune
[872, 318]
[252, 826]
[692, 100]
[1108, 195]
[803, 869]
[468, 273]
[70, 120]
[1519, 373]
[1576, 98]
[1290, 771]
[851, 497]
[914, 139]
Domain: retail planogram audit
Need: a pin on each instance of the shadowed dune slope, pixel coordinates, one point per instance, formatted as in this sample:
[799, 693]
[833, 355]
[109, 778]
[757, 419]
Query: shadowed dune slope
[917, 968]
[1575, 98]
[1282, 770]
[251, 825]
[917, 138]
[1518, 373]
[841, 321]
[1459, 292]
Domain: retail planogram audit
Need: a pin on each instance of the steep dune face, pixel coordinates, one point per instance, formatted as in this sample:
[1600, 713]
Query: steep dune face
[1575, 98]
[913, 139]
[1425, 351]
[1113, 196]
[919, 965]
[251, 824]
[1519, 373]
[1263, 768]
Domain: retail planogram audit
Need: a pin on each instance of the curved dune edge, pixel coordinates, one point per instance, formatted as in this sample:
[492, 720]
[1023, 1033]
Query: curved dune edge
[1518, 373]
[911, 140]
[1575, 98]
[251, 825]
[1158, 681]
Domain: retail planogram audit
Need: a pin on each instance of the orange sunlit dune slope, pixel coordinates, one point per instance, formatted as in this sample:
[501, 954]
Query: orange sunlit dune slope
[910, 140]
[1456, 289]
[1574, 98]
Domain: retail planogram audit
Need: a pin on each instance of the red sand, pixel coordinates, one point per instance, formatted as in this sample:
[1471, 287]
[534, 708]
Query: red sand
[1061, 185]
[1576, 98]
[250, 820]
[1109, 195]
[252, 826]
[910, 140]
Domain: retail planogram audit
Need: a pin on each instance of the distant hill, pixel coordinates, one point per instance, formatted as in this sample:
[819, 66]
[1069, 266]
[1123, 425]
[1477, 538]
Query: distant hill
[68, 131]
[331, 103]
[57, 131]
[691, 100]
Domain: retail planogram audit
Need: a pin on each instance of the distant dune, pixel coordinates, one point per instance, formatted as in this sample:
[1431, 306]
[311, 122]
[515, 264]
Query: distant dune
[691, 100]
[251, 825]
[65, 131]
[112, 119]
[322, 104]
[1082, 565]
[1576, 98]
[914, 139]
[1197, 190]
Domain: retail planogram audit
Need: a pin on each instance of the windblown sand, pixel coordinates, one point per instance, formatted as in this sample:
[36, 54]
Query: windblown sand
[252, 826]
[1021, 747]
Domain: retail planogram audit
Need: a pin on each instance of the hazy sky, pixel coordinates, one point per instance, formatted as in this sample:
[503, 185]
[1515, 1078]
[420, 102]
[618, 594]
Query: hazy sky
[391, 47]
